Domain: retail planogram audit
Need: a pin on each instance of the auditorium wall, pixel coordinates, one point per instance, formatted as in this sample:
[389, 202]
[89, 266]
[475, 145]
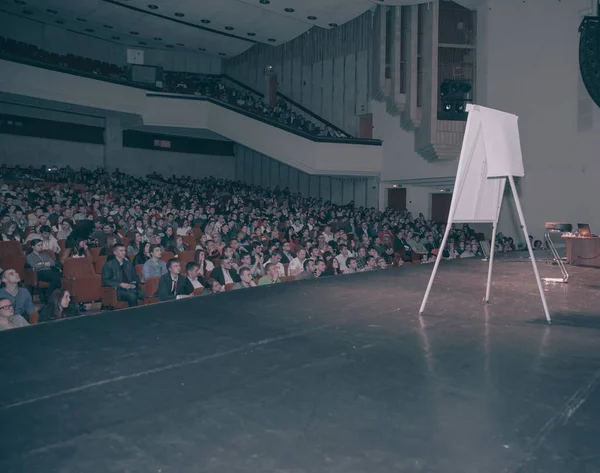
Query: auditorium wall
[33, 151]
[63, 41]
[260, 170]
[326, 71]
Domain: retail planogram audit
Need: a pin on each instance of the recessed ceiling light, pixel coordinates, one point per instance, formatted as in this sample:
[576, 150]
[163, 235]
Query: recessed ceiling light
[206, 22]
[27, 12]
[142, 43]
[251, 34]
[272, 40]
[229, 28]
[202, 49]
[311, 17]
[134, 33]
[156, 38]
[333, 25]
[89, 30]
[180, 44]
[53, 12]
[108, 27]
[83, 20]
[290, 10]
[265, 2]
[59, 22]
[179, 15]
[20, 2]
[116, 37]
[153, 7]
[169, 46]
[222, 54]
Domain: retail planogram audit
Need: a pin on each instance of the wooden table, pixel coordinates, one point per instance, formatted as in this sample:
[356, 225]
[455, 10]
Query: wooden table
[583, 251]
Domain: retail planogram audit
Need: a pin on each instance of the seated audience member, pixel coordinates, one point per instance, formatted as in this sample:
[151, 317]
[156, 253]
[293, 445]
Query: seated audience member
[351, 265]
[276, 260]
[109, 242]
[271, 276]
[143, 255]
[59, 307]
[120, 274]
[371, 264]
[381, 264]
[226, 273]
[309, 270]
[320, 268]
[11, 232]
[297, 264]
[80, 250]
[154, 266]
[8, 318]
[246, 280]
[172, 285]
[44, 266]
[19, 297]
[213, 287]
[206, 266]
[135, 245]
[333, 268]
[177, 245]
[49, 243]
[193, 274]
[64, 231]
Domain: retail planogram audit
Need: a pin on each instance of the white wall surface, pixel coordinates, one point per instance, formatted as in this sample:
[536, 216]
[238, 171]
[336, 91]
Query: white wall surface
[62, 41]
[25, 151]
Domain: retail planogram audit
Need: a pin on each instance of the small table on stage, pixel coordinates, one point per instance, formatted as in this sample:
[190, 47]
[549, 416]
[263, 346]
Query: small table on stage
[583, 251]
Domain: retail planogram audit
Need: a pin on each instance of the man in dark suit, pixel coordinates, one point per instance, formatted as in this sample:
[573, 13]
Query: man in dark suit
[226, 273]
[120, 274]
[172, 286]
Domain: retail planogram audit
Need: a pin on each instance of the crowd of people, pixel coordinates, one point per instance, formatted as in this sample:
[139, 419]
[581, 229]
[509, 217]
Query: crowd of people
[204, 85]
[240, 235]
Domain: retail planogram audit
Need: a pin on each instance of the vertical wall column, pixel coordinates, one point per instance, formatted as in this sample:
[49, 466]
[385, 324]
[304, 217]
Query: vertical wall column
[113, 142]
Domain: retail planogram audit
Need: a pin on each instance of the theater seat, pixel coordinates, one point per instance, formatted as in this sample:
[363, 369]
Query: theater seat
[190, 241]
[185, 257]
[99, 263]
[80, 279]
[167, 255]
[109, 299]
[150, 289]
[229, 286]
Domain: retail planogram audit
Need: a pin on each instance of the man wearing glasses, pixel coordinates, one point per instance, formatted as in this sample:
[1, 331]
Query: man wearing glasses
[18, 296]
[8, 318]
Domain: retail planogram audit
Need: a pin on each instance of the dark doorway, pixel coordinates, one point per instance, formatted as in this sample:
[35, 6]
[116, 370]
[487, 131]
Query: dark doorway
[440, 207]
[365, 126]
[397, 198]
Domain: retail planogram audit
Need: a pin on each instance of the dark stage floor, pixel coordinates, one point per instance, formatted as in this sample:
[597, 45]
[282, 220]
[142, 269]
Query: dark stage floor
[336, 375]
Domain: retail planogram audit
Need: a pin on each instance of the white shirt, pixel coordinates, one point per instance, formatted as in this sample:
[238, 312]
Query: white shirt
[183, 231]
[296, 266]
[280, 268]
[227, 276]
[342, 260]
[195, 283]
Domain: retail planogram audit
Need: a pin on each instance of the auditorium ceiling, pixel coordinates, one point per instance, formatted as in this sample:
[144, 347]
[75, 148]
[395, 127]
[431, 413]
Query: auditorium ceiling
[219, 27]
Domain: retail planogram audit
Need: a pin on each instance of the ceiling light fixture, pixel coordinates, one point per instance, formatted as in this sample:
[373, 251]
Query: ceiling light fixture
[153, 7]
[170, 46]
[53, 12]
[311, 17]
[180, 44]
[179, 14]
[59, 22]
[272, 40]
[134, 33]
[229, 28]
[27, 12]
[289, 10]
[108, 27]
[115, 37]
[89, 30]
[333, 25]
[20, 2]
[156, 38]
[251, 34]
[202, 49]
[142, 43]
[206, 22]
[83, 20]
[264, 2]
[222, 54]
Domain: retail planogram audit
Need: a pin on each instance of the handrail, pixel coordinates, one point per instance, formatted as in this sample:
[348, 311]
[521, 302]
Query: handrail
[155, 92]
[289, 129]
[313, 114]
[241, 84]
